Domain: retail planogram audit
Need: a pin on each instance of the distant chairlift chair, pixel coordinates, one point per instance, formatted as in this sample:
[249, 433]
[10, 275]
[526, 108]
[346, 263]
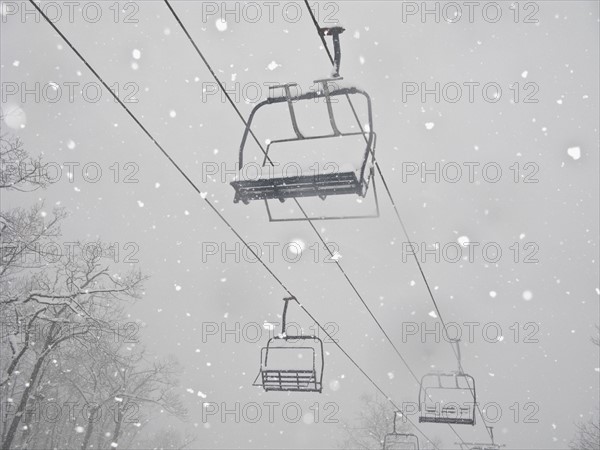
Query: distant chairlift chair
[349, 177]
[448, 397]
[400, 441]
[281, 367]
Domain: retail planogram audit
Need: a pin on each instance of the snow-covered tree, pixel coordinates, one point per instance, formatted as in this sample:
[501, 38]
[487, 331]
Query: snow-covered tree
[587, 436]
[60, 312]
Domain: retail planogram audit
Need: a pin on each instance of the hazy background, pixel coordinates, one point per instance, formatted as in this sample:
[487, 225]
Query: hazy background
[170, 223]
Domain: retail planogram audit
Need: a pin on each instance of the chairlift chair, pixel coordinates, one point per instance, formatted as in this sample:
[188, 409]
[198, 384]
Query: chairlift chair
[448, 397]
[347, 177]
[400, 441]
[280, 368]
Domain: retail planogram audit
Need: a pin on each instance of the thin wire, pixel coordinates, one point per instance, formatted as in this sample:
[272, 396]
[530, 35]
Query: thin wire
[212, 72]
[401, 223]
[339, 266]
[432, 297]
[193, 185]
[192, 41]
[298, 203]
[316, 23]
[389, 399]
[157, 144]
[205, 61]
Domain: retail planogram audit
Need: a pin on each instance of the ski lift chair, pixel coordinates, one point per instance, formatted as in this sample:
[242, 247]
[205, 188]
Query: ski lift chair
[289, 366]
[400, 441]
[350, 176]
[448, 397]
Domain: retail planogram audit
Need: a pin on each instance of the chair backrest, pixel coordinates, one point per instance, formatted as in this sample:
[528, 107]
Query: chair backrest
[400, 441]
[282, 353]
[448, 395]
[327, 94]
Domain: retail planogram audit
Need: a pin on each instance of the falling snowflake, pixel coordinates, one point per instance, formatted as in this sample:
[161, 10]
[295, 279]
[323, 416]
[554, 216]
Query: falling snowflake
[221, 24]
[296, 246]
[14, 117]
[574, 152]
[273, 65]
[463, 241]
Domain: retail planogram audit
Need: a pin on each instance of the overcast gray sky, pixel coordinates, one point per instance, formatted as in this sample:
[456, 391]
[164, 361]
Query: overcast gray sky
[387, 51]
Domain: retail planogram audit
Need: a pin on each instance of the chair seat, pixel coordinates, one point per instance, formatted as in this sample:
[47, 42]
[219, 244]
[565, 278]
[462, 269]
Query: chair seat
[448, 410]
[290, 380]
[451, 420]
[319, 185]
